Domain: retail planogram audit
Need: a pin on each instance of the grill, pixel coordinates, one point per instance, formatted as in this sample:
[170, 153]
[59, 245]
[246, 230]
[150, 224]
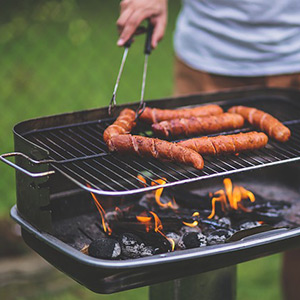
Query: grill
[78, 152]
[65, 153]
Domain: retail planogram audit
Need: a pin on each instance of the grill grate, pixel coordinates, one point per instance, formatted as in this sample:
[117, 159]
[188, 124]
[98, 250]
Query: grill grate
[82, 155]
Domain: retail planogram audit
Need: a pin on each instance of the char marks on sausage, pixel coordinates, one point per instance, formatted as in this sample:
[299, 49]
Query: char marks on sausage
[156, 148]
[199, 125]
[154, 115]
[263, 121]
[226, 144]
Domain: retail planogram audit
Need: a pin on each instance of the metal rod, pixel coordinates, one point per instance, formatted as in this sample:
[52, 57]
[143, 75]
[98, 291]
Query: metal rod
[113, 99]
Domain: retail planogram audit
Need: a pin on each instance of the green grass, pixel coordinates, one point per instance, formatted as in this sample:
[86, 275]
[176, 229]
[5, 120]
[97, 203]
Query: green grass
[60, 56]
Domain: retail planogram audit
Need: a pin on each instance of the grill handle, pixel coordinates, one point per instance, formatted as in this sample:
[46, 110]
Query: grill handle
[35, 175]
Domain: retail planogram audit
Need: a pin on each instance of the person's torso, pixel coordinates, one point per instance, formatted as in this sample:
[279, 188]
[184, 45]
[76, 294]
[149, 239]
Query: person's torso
[240, 37]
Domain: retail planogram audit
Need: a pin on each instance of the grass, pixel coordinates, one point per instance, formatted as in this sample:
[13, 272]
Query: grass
[60, 56]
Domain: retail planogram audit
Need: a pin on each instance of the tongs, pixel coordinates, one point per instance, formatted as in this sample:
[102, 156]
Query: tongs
[147, 52]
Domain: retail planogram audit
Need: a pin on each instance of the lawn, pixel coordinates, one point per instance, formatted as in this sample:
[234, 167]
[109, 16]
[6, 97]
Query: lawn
[60, 56]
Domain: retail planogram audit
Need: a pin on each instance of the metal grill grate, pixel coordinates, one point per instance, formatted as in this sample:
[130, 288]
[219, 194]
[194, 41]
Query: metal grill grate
[82, 155]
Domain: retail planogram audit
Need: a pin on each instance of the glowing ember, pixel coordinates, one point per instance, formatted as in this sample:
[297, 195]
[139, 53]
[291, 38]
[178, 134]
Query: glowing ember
[230, 198]
[105, 225]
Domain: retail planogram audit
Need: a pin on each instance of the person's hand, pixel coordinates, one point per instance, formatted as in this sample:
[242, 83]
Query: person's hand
[133, 12]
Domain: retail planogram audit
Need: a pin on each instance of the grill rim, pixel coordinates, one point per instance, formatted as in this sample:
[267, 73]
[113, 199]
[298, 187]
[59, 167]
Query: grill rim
[253, 241]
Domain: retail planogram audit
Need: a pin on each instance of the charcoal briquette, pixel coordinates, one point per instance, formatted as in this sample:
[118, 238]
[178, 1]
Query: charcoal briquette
[250, 224]
[133, 247]
[192, 240]
[185, 229]
[218, 236]
[105, 248]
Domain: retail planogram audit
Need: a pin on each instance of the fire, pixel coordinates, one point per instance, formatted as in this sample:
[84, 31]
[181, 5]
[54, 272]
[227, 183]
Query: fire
[105, 225]
[142, 180]
[194, 224]
[145, 220]
[158, 227]
[230, 197]
[171, 203]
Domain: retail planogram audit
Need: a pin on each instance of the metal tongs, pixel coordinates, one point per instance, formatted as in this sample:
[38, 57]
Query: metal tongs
[147, 52]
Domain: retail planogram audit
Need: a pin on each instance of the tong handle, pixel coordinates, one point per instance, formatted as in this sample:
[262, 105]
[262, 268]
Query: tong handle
[15, 166]
[148, 47]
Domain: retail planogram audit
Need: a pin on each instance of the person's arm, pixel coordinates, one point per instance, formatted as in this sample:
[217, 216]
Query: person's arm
[133, 12]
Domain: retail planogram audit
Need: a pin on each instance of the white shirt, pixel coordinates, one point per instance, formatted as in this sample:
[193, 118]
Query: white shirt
[240, 37]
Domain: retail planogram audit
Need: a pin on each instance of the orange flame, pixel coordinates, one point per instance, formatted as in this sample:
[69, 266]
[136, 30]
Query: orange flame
[194, 224]
[158, 227]
[105, 226]
[142, 180]
[230, 198]
[170, 204]
[145, 220]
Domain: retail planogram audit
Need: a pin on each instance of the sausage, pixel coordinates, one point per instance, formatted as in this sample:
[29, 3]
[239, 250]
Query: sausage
[154, 115]
[226, 144]
[201, 125]
[123, 124]
[155, 148]
[264, 121]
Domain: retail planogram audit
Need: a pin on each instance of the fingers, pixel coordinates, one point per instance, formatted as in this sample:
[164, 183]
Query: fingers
[159, 23]
[129, 27]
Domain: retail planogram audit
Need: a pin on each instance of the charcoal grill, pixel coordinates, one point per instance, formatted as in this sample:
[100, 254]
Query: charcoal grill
[57, 156]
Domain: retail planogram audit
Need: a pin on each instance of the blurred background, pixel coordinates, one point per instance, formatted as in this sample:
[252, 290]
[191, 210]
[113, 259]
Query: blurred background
[60, 56]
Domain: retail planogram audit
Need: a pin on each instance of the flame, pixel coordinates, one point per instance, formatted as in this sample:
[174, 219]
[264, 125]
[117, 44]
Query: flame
[230, 198]
[142, 180]
[158, 227]
[105, 226]
[170, 204]
[194, 224]
[196, 214]
[145, 220]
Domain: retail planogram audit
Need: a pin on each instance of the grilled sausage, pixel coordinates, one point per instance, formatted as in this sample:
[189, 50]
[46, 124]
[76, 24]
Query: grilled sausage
[201, 125]
[154, 115]
[156, 148]
[123, 124]
[264, 121]
[225, 144]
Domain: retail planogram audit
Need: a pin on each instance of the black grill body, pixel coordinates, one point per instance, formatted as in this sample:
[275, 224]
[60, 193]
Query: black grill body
[73, 147]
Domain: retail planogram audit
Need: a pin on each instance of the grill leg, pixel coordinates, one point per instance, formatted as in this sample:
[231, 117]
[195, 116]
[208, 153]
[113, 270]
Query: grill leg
[214, 285]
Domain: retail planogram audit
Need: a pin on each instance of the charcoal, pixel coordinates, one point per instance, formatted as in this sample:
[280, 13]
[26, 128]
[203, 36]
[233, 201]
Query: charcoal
[160, 243]
[225, 222]
[249, 224]
[133, 247]
[185, 229]
[192, 240]
[105, 248]
[268, 217]
[174, 236]
[218, 236]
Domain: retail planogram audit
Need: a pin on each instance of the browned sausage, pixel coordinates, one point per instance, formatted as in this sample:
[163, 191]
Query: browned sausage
[154, 115]
[123, 124]
[225, 144]
[159, 149]
[201, 125]
[264, 121]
